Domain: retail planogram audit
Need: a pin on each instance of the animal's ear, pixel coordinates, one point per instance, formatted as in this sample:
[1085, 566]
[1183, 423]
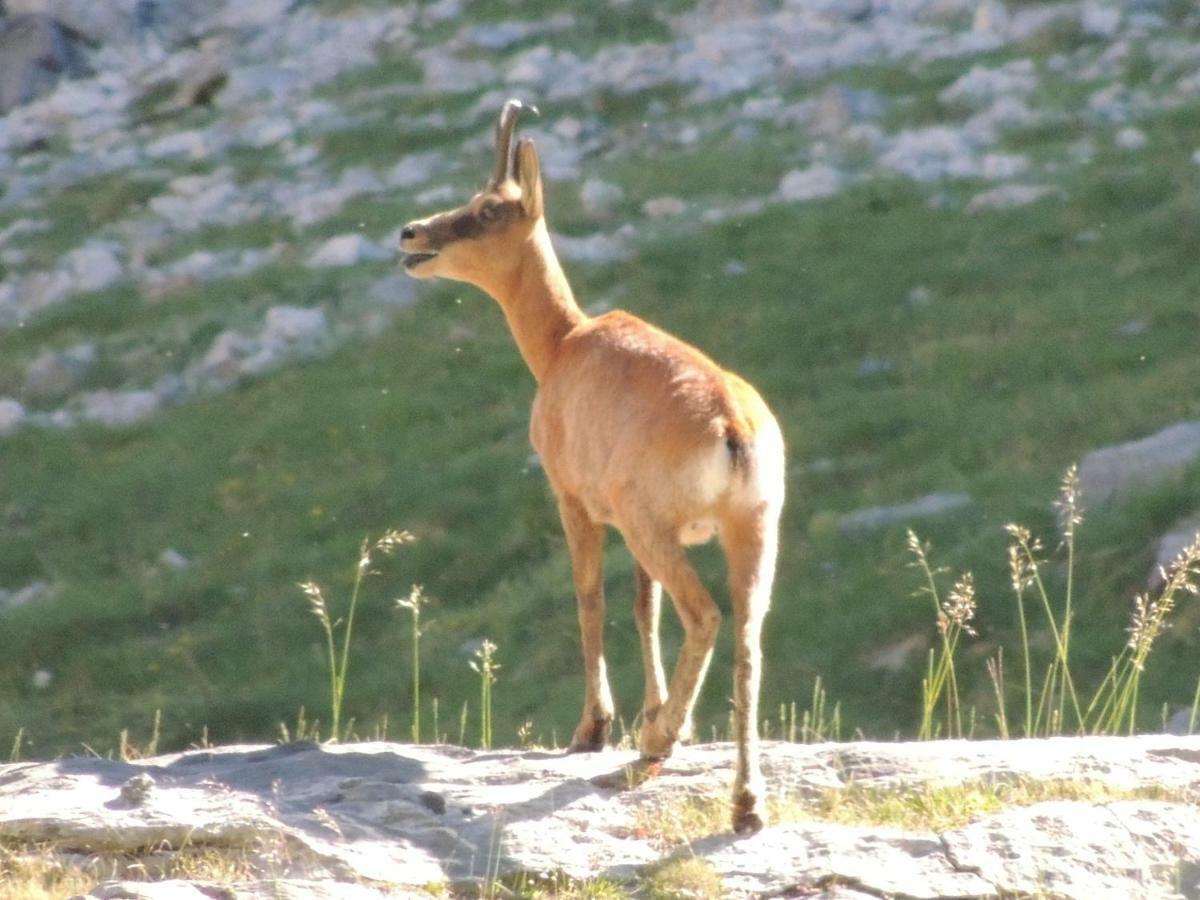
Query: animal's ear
[529, 177]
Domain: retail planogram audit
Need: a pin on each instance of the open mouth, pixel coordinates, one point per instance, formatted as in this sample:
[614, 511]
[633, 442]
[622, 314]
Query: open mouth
[415, 259]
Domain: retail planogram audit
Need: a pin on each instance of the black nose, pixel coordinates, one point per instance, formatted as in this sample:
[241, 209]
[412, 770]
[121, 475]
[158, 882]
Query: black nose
[408, 233]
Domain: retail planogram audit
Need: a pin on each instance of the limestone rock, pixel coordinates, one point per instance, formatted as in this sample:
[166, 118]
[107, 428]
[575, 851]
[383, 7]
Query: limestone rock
[596, 249]
[55, 373]
[1136, 465]
[348, 250]
[1010, 196]
[407, 816]
[94, 266]
[1131, 139]
[599, 198]
[118, 408]
[35, 51]
[663, 207]
[1182, 535]
[873, 518]
[11, 414]
[813, 183]
[982, 86]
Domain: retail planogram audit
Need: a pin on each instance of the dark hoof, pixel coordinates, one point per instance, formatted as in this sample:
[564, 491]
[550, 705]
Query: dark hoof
[592, 739]
[746, 819]
[747, 823]
[585, 747]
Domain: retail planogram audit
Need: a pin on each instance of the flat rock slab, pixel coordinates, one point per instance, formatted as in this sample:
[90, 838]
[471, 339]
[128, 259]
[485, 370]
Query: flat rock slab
[352, 818]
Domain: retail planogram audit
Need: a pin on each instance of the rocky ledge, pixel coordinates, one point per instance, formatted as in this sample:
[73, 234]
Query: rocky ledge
[380, 819]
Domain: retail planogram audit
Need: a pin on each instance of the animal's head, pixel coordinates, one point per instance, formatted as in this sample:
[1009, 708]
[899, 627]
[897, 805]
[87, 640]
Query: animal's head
[480, 241]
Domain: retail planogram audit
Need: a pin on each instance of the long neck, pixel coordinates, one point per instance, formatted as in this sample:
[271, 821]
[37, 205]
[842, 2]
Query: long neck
[538, 303]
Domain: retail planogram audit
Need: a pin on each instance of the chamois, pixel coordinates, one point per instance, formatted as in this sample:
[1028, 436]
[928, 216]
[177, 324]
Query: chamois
[638, 430]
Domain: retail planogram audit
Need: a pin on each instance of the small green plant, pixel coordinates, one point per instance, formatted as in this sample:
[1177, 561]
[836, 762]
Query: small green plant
[413, 603]
[817, 724]
[954, 615]
[485, 664]
[128, 751]
[339, 662]
[689, 876]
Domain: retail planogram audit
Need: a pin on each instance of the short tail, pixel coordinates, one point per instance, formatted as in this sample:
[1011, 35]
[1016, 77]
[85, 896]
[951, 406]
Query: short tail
[737, 442]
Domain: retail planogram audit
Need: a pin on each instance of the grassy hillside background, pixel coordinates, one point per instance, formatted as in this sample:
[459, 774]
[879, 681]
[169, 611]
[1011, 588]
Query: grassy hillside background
[1008, 363]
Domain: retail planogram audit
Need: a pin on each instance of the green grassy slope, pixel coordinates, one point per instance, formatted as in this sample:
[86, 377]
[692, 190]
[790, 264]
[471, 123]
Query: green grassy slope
[1014, 369]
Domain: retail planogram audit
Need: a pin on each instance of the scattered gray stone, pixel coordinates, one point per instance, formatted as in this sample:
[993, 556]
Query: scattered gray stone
[203, 265]
[838, 108]
[415, 169]
[991, 17]
[22, 227]
[1132, 328]
[348, 250]
[663, 208]
[982, 86]
[174, 560]
[1110, 472]
[1171, 545]
[295, 325]
[221, 366]
[11, 415]
[137, 790]
[94, 266]
[874, 367]
[931, 153]
[595, 249]
[873, 518]
[600, 199]
[814, 183]
[1010, 196]
[33, 592]
[1028, 22]
[919, 296]
[35, 51]
[57, 373]
[197, 144]
[198, 200]
[1100, 18]
[116, 409]
[1131, 139]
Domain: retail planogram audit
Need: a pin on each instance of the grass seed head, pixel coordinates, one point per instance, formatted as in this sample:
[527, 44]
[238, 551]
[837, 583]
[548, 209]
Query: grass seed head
[959, 606]
[1068, 506]
[316, 601]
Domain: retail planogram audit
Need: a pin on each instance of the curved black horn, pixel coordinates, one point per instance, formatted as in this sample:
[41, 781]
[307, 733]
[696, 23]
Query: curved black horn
[504, 133]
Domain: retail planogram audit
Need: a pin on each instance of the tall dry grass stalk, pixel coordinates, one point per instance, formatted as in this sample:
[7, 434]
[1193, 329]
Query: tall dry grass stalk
[1051, 703]
[339, 662]
[486, 665]
[413, 603]
[1114, 707]
[954, 614]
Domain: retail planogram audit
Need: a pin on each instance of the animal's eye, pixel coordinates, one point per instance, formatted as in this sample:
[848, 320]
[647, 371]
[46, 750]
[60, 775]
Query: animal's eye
[490, 212]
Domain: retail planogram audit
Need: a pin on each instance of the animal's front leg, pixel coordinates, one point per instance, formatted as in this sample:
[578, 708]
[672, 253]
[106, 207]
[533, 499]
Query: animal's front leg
[585, 539]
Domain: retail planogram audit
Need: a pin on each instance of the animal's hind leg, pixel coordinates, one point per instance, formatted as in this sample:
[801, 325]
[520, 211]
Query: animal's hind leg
[656, 548]
[750, 541]
[647, 606]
